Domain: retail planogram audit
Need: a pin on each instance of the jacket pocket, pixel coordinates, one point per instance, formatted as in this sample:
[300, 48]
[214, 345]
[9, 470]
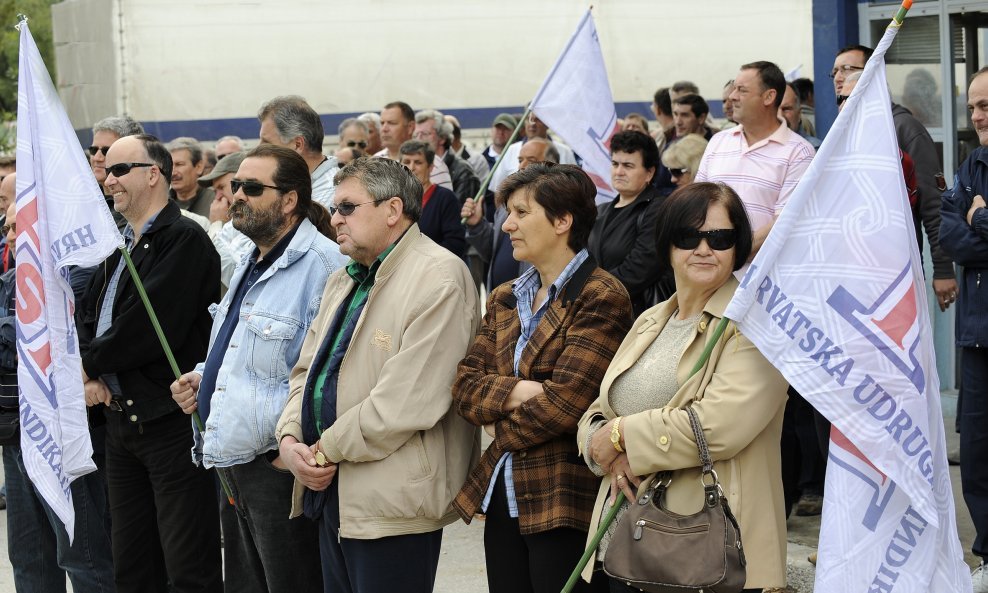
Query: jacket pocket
[267, 339]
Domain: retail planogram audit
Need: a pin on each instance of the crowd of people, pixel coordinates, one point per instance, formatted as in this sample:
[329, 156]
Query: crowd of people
[325, 312]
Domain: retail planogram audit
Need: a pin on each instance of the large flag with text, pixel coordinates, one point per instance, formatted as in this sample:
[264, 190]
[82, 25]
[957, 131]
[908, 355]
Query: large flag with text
[835, 299]
[62, 221]
[575, 102]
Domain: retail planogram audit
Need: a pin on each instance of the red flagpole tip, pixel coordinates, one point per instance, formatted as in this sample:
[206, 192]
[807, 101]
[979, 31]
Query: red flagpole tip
[907, 4]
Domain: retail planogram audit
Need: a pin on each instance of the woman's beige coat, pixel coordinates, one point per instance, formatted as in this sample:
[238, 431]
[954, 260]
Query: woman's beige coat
[739, 398]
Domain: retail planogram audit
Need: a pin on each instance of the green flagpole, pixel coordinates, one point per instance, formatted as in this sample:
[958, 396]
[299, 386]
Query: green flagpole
[901, 14]
[168, 352]
[478, 200]
[605, 523]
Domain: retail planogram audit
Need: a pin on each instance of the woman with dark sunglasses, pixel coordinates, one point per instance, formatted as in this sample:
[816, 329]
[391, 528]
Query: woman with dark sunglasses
[639, 429]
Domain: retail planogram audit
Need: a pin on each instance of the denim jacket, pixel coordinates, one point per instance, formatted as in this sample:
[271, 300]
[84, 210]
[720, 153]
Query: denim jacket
[252, 382]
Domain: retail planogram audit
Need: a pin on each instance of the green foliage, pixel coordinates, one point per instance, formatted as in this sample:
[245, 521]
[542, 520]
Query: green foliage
[39, 15]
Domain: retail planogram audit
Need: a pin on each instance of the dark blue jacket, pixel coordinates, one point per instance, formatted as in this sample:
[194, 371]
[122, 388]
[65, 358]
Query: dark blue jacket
[440, 221]
[968, 246]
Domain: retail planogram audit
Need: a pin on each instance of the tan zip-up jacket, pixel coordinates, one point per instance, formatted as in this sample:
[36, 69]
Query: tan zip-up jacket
[403, 453]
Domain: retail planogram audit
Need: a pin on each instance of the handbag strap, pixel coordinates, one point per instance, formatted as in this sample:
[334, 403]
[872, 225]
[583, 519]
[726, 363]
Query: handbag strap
[701, 442]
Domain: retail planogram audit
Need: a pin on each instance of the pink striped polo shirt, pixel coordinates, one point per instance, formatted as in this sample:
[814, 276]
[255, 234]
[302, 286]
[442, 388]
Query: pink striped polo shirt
[763, 174]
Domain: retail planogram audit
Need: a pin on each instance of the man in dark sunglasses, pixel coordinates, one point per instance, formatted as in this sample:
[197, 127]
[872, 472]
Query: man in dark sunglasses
[370, 395]
[127, 375]
[242, 384]
[105, 132]
[353, 133]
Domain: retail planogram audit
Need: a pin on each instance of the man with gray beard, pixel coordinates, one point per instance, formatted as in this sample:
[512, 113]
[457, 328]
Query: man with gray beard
[242, 386]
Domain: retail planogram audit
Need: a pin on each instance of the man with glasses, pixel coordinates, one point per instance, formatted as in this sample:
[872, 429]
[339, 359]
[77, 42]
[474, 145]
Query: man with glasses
[241, 387]
[369, 431]
[290, 122]
[432, 128]
[162, 507]
[915, 141]
[353, 134]
[105, 132]
[761, 158]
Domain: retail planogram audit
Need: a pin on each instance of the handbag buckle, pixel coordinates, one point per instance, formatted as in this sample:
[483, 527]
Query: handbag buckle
[715, 481]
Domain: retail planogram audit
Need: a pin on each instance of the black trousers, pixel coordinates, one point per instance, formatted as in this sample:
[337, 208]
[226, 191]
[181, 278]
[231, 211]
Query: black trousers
[974, 442]
[165, 524]
[405, 563]
[536, 563]
[266, 552]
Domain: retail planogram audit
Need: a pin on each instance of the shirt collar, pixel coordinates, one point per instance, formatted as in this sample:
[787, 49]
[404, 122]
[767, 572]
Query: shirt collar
[128, 231]
[530, 281]
[361, 273]
[279, 247]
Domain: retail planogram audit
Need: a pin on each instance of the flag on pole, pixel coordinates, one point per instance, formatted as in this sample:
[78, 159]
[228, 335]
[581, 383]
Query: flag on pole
[62, 220]
[575, 102]
[835, 299]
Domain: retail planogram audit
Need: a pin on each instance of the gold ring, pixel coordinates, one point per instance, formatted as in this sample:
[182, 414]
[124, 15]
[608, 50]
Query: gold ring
[620, 476]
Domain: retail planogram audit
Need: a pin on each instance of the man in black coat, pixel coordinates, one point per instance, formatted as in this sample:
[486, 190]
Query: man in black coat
[162, 507]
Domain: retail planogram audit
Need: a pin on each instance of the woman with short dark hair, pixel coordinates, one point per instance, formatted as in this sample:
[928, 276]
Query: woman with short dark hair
[639, 426]
[623, 238]
[533, 370]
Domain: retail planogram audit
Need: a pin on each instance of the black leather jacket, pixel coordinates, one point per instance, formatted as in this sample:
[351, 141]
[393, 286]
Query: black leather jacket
[180, 270]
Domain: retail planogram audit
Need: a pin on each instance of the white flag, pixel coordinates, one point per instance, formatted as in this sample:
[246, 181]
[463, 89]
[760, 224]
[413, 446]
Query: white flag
[835, 300]
[62, 220]
[575, 102]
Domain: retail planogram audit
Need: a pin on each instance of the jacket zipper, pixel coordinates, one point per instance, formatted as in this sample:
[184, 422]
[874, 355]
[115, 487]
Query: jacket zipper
[356, 328]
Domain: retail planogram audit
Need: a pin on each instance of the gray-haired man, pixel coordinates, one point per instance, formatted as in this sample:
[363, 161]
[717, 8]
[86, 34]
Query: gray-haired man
[187, 167]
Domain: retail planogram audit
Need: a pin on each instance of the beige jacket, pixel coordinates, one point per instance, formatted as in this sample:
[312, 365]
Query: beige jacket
[739, 398]
[403, 454]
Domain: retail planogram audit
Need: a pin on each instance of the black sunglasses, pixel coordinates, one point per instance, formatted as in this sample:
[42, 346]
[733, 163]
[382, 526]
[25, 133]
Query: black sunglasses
[678, 172]
[352, 143]
[121, 169]
[251, 189]
[94, 149]
[718, 239]
[841, 99]
[8, 227]
[346, 208]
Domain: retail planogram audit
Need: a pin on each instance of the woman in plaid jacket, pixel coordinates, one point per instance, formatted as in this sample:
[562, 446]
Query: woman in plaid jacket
[532, 372]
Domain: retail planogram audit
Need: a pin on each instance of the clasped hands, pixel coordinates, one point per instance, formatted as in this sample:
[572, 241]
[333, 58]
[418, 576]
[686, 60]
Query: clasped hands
[301, 460]
[96, 391]
[615, 463]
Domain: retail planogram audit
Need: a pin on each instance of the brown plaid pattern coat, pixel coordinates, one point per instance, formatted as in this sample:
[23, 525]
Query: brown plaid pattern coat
[569, 352]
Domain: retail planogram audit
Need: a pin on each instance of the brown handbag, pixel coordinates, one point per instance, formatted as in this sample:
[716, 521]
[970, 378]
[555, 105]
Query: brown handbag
[656, 550]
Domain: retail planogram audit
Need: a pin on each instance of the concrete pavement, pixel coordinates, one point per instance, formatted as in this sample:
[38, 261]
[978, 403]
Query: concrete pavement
[461, 565]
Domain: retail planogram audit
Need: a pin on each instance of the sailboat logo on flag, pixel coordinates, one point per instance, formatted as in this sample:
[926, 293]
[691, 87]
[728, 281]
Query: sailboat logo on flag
[891, 323]
[843, 453]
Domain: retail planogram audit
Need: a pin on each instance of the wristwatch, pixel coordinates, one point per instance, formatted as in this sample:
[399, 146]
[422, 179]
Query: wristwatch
[616, 434]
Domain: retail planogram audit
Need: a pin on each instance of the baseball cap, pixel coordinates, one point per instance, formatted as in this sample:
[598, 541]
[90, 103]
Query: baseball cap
[506, 120]
[228, 164]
